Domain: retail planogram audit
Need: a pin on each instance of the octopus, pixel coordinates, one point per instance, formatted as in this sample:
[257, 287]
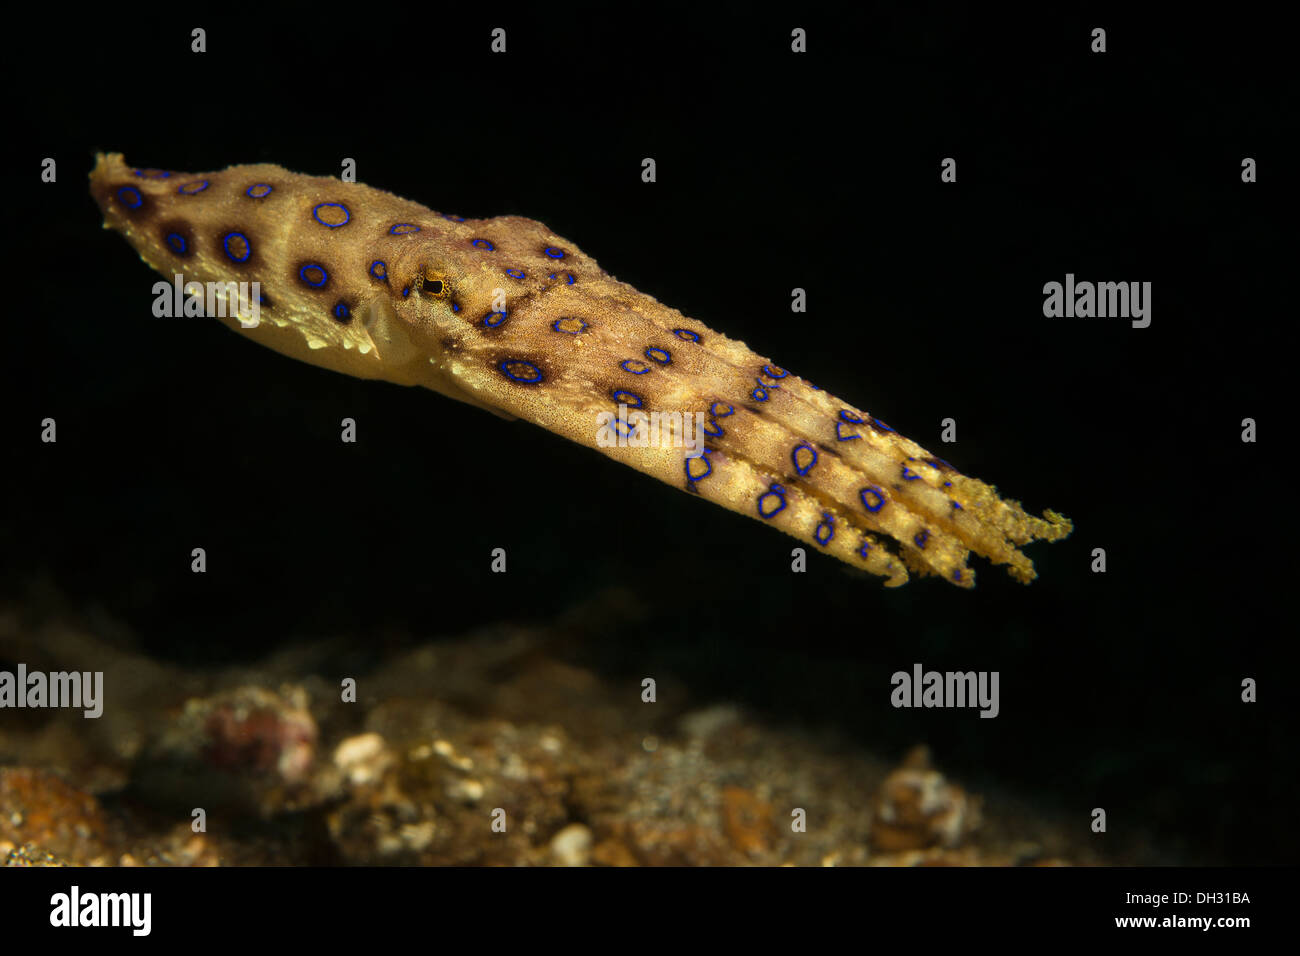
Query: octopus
[505, 315]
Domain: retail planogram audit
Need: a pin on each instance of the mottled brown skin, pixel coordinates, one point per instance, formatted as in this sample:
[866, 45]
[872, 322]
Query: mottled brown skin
[871, 497]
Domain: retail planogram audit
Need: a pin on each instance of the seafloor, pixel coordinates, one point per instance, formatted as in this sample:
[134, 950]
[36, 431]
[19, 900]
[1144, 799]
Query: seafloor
[498, 747]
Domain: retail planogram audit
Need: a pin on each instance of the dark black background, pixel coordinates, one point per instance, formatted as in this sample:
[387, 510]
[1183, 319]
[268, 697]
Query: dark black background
[774, 170]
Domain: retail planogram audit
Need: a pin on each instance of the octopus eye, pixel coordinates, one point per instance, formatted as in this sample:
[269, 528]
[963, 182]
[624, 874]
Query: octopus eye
[435, 287]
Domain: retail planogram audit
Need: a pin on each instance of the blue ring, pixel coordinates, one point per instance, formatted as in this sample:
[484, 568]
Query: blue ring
[641, 371]
[687, 335]
[909, 474]
[324, 274]
[516, 273]
[484, 244]
[382, 266]
[794, 457]
[922, 539]
[139, 200]
[625, 399]
[505, 364]
[152, 173]
[755, 393]
[185, 190]
[827, 523]
[713, 410]
[315, 214]
[556, 326]
[262, 195]
[553, 252]
[406, 228]
[717, 429]
[342, 312]
[652, 356]
[879, 496]
[775, 491]
[498, 316]
[767, 370]
[225, 244]
[178, 239]
[704, 457]
[449, 216]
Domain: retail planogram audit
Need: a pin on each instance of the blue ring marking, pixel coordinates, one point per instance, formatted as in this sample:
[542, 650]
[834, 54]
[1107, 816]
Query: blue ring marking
[947, 484]
[263, 190]
[630, 399]
[582, 326]
[708, 466]
[125, 200]
[324, 275]
[717, 429]
[909, 474]
[957, 507]
[956, 574]
[455, 307]
[922, 539]
[626, 363]
[624, 427]
[713, 410]
[553, 252]
[776, 491]
[572, 278]
[483, 244]
[862, 551]
[875, 493]
[493, 319]
[342, 312]
[687, 335]
[516, 273]
[839, 433]
[315, 214]
[794, 457]
[767, 370]
[403, 228]
[262, 299]
[815, 388]
[248, 247]
[848, 416]
[406, 292]
[176, 242]
[827, 524]
[450, 217]
[532, 376]
[877, 424]
[661, 356]
[189, 189]
[152, 173]
[759, 393]
[379, 270]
